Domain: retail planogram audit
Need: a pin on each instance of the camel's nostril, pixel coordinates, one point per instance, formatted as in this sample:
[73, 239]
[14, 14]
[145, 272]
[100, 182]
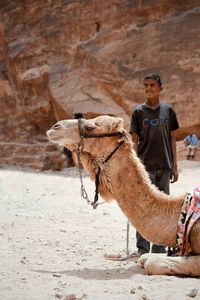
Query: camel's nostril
[56, 126]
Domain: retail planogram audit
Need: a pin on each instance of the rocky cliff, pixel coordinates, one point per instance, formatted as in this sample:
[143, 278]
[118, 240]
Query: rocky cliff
[67, 56]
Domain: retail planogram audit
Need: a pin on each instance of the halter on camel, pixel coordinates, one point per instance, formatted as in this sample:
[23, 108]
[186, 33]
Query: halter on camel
[79, 150]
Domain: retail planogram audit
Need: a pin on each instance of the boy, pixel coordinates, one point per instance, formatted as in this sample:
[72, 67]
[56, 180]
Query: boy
[152, 128]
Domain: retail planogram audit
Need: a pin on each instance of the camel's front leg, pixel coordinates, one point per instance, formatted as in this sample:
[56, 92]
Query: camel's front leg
[160, 264]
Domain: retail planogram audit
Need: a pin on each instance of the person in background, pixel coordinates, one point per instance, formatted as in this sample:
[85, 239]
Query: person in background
[152, 128]
[191, 141]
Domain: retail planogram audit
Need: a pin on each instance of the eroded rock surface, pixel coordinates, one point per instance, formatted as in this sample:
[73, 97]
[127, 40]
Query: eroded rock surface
[62, 57]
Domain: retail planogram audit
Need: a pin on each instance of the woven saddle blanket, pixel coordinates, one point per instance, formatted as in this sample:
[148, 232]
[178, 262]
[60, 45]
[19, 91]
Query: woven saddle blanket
[190, 213]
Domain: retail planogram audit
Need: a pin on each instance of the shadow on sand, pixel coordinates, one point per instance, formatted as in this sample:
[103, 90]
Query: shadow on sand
[97, 274]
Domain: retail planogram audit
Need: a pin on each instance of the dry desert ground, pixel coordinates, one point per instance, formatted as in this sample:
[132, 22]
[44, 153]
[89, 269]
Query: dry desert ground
[53, 244]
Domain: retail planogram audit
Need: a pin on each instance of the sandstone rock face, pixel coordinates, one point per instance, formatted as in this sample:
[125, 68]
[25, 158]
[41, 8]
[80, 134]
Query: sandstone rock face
[67, 56]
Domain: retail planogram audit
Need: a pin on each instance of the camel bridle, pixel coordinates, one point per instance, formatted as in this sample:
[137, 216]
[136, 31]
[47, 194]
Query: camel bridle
[79, 150]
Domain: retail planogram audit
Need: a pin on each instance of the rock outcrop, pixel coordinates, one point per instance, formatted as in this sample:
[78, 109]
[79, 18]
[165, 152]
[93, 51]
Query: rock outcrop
[67, 56]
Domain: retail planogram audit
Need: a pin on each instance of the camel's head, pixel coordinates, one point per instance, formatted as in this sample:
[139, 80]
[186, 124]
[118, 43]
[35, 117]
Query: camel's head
[67, 132]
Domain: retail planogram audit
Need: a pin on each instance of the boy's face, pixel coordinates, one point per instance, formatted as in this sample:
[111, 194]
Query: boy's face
[152, 88]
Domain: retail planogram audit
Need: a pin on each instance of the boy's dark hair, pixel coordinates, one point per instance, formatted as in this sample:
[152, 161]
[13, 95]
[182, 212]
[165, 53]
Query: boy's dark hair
[155, 77]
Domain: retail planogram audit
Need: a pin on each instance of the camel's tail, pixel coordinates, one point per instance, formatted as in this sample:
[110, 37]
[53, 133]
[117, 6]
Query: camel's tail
[160, 264]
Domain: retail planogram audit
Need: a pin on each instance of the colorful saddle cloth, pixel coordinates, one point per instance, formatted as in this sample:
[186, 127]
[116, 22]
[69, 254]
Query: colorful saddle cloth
[190, 213]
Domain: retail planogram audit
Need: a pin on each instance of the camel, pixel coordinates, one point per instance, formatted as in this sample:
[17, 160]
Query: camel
[123, 178]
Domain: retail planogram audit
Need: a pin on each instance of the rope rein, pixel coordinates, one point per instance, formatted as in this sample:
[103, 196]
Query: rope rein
[79, 150]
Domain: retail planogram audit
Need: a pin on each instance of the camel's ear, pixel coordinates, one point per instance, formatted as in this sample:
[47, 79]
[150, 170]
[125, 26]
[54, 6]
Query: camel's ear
[117, 124]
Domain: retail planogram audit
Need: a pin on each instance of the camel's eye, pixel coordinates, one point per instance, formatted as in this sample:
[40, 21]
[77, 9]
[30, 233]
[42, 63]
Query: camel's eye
[89, 127]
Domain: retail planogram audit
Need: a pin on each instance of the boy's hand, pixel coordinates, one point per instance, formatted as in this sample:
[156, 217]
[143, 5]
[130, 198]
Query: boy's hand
[174, 175]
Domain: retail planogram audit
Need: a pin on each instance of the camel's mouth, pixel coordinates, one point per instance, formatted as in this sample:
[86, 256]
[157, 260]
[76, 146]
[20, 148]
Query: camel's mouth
[54, 137]
[61, 138]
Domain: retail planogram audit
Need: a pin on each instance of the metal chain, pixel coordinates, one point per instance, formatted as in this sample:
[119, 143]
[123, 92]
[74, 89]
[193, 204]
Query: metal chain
[84, 194]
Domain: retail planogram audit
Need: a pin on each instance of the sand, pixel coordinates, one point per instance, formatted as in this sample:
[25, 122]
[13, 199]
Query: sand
[53, 244]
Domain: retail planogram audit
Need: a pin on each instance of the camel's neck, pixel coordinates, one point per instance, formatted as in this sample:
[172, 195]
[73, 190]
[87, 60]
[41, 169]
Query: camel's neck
[123, 178]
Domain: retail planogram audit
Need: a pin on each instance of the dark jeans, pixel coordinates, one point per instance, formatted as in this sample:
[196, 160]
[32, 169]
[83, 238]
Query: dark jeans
[161, 179]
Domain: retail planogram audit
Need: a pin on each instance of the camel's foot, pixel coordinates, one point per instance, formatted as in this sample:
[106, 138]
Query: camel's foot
[160, 264]
[116, 257]
[119, 257]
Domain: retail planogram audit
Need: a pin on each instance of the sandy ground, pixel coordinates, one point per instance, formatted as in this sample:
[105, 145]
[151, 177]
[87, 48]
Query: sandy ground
[52, 244]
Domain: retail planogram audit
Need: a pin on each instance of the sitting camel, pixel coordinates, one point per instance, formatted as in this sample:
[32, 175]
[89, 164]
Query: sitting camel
[104, 148]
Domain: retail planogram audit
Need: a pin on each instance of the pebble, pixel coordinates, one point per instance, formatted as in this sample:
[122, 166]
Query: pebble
[132, 291]
[57, 275]
[23, 260]
[191, 292]
[58, 296]
[23, 278]
[144, 297]
[70, 297]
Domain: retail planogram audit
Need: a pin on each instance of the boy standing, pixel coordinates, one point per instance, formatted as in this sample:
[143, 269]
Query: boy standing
[152, 128]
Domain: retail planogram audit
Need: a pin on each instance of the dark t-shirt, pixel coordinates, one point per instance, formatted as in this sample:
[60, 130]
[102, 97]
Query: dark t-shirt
[153, 128]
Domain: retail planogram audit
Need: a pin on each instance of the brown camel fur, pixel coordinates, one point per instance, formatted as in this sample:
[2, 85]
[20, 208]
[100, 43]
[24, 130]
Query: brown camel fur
[123, 178]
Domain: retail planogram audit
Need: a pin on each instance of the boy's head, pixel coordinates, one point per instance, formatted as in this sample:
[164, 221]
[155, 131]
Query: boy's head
[155, 77]
[152, 85]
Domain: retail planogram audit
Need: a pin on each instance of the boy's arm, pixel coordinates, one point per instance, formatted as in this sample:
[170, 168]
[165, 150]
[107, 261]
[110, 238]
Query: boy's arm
[135, 141]
[174, 176]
